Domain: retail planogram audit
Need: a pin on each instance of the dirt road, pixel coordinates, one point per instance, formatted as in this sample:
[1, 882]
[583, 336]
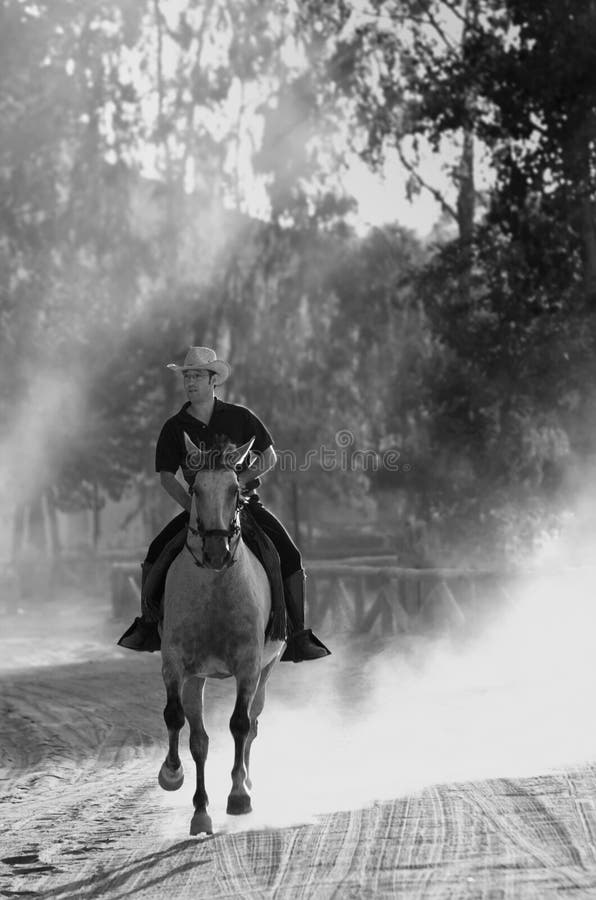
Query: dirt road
[427, 791]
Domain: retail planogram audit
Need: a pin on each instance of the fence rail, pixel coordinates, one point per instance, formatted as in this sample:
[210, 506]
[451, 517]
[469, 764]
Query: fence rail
[366, 596]
[375, 595]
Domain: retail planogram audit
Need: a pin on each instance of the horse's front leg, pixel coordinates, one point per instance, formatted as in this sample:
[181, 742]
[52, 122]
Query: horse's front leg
[239, 798]
[256, 709]
[192, 700]
[171, 774]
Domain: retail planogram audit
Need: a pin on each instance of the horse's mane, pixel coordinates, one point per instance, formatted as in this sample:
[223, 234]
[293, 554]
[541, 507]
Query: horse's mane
[215, 457]
[218, 455]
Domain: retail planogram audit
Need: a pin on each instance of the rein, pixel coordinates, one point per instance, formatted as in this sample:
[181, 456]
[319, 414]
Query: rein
[232, 532]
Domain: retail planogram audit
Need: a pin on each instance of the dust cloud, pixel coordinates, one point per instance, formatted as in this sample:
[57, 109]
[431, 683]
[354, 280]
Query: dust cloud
[382, 719]
[32, 443]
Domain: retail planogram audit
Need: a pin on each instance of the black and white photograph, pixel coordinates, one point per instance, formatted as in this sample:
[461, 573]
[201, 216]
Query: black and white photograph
[298, 449]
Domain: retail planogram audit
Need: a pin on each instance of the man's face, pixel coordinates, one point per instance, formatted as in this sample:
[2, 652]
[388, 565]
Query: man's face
[197, 384]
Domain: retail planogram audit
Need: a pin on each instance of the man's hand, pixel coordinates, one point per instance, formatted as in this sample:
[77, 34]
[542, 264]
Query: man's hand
[263, 463]
[248, 482]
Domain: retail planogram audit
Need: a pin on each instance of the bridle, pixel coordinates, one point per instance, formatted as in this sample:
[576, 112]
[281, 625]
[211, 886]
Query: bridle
[233, 531]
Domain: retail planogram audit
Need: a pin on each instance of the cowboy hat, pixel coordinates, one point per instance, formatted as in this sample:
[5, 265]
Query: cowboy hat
[203, 358]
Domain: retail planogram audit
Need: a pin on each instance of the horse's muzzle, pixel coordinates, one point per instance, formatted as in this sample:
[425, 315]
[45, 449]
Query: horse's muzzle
[216, 552]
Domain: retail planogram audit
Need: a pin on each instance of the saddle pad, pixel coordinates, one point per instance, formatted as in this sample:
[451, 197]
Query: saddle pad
[152, 595]
[264, 549]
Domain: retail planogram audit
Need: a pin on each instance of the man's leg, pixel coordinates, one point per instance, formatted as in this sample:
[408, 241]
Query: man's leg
[302, 644]
[143, 634]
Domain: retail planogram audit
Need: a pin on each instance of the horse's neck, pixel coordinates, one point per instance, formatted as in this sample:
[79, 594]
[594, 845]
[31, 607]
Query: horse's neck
[239, 550]
[246, 560]
[242, 555]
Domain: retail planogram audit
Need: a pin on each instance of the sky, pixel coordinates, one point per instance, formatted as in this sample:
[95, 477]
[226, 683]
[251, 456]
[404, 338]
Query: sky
[382, 199]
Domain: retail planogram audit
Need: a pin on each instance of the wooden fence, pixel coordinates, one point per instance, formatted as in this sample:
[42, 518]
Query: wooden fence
[368, 595]
[377, 596]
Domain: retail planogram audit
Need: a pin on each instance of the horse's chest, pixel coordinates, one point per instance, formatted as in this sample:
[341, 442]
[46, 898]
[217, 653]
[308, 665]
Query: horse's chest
[212, 620]
[209, 623]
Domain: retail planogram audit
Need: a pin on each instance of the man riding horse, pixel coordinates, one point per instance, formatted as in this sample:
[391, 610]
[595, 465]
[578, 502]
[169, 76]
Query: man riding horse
[205, 419]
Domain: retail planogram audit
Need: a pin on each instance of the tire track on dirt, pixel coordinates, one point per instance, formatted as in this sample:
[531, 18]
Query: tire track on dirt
[585, 807]
[530, 827]
[72, 714]
[83, 818]
[77, 773]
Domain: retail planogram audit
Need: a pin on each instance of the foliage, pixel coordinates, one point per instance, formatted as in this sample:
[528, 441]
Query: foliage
[173, 176]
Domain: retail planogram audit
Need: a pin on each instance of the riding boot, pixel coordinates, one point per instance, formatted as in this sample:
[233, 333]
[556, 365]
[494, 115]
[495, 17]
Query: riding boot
[301, 642]
[143, 634]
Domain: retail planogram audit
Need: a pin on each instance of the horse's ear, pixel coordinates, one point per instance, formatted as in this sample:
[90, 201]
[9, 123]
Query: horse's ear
[190, 447]
[194, 456]
[237, 456]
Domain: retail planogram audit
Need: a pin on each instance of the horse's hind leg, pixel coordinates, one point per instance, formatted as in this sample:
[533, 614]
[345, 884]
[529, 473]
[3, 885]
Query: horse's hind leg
[239, 798]
[256, 709]
[192, 700]
[171, 774]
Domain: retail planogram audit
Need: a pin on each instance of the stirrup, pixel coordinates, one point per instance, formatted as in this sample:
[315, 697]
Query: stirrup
[304, 645]
[142, 636]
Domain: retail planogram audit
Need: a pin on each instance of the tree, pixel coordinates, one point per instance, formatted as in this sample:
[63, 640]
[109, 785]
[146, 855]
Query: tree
[64, 222]
[534, 257]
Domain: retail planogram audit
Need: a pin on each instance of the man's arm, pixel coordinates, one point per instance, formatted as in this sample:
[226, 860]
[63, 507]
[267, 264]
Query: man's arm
[177, 492]
[264, 462]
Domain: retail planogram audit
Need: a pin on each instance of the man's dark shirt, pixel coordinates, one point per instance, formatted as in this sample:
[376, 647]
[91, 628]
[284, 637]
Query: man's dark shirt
[237, 423]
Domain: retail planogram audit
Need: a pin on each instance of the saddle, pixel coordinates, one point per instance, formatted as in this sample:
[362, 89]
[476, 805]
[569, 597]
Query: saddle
[257, 541]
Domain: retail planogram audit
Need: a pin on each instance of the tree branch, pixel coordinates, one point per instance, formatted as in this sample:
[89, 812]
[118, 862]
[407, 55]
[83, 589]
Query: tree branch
[424, 184]
[451, 45]
[425, 19]
[453, 6]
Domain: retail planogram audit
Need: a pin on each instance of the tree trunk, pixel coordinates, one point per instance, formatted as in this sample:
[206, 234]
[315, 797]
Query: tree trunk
[588, 230]
[55, 544]
[37, 527]
[586, 142]
[296, 511]
[466, 197]
[582, 214]
[18, 532]
[309, 522]
[96, 513]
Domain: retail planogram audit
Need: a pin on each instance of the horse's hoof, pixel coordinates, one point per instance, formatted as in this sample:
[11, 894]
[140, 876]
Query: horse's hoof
[201, 824]
[238, 805]
[170, 780]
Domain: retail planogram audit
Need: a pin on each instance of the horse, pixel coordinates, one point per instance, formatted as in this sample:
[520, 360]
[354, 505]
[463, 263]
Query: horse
[217, 603]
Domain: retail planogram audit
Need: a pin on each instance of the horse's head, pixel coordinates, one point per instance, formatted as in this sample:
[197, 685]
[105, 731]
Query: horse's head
[214, 516]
